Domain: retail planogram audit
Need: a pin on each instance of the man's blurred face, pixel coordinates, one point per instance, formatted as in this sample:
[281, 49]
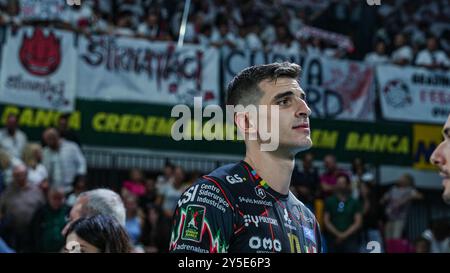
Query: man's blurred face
[307, 161]
[52, 140]
[179, 175]
[399, 40]
[432, 44]
[342, 185]
[75, 212]
[330, 163]
[11, 123]
[63, 123]
[441, 158]
[56, 199]
[20, 175]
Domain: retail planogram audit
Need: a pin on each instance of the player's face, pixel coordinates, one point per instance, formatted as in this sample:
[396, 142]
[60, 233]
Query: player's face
[441, 158]
[294, 131]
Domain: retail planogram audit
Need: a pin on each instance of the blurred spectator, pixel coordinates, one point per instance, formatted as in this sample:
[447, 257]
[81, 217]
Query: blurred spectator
[224, 36]
[208, 36]
[37, 173]
[156, 232]
[171, 193]
[9, 13]
[134, 221]
[166, 177]
[153, 28]
[422, 245]
[372, 216]
[342, 219]
[285, 42]
[315, 46]
[403, 53]
[12, 139]
[98, 201]
[150, 195]
[79, 186]
[378, 56]
[7, 164]
[438, 236]
[432, 57]
[252, 40]
[124, 25]
[65, 132]
[306, 182]
[63, 160]
[329, 177]
[48, 222]
[135, 185]
[78, 16]
[133, 8]
[97, 234]
[398, 200]
[99, 23]
[359, 175]
[17, 205]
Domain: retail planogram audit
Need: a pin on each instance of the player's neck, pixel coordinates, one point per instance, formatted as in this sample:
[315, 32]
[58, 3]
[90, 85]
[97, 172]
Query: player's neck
[275, 169]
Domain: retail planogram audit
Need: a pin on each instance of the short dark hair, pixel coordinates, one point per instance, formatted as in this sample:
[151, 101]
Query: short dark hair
[345, 176]
[243, 88]
[102, 231]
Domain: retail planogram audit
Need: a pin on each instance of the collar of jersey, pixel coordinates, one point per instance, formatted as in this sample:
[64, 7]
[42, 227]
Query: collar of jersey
[263, 183]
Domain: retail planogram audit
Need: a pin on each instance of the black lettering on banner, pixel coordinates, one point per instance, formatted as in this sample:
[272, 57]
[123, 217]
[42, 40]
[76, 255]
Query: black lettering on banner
[314, 76]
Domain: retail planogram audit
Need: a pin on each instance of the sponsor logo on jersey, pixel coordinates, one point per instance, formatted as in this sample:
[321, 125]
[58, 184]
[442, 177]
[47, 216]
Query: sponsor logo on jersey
[234, 179]
[257, 219]
[287, 220]
[188, 196]
[255, 201]
[267, 244]
[193, 225]
[260, 192]
[309, 234]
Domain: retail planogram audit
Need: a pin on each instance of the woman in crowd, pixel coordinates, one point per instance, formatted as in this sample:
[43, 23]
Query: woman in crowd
[97, 234]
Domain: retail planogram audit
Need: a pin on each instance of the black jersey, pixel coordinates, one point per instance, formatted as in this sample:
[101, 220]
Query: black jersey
[234, 210]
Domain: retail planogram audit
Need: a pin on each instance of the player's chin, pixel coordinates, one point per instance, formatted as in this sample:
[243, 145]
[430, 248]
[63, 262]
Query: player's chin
[302, 144]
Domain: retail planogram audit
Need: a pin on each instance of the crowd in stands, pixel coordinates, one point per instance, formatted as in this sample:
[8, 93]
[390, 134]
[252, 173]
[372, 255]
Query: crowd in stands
[45, 186]
[398, 31]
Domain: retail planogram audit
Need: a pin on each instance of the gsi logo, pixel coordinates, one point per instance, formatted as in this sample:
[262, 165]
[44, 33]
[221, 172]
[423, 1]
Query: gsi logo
[188, 196]
[73, 2]
[234, 179]
[373, 2]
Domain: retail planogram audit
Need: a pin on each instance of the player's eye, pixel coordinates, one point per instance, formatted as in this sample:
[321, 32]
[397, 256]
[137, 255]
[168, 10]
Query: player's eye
[283, 102]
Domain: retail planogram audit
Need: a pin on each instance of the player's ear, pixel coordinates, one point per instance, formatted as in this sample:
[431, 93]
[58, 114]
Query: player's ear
[246, 122]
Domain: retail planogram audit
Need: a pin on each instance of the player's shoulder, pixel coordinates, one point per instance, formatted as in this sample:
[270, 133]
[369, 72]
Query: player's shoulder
[231, 177]
[226, 180]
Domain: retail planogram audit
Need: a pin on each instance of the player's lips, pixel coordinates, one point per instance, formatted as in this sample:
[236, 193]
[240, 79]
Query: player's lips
[301, 126]
[446, 178]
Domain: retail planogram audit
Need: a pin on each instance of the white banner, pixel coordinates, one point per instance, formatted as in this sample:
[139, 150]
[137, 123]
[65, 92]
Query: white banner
[135, 70]
[339, 89]
[335, 88]
[39, 69]
[414, 94]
